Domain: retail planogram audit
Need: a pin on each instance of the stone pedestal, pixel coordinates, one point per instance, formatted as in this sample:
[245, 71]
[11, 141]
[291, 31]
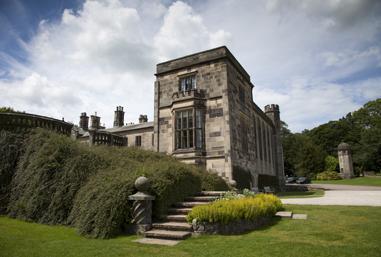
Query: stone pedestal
[142, 206]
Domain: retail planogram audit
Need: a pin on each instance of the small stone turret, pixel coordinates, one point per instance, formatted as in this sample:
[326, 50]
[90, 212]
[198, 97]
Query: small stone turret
[143, 118]
[84, 121]
[119, 117]
[95, 121]
[345, 160]
[272, 111]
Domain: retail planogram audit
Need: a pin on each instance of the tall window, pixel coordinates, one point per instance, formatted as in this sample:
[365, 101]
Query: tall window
[244, 141]
[187, 83]
[138, 141]
[189, 132]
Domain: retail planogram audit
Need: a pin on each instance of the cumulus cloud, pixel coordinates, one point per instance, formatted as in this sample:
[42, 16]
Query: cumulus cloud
[184, 32]
[105, 53]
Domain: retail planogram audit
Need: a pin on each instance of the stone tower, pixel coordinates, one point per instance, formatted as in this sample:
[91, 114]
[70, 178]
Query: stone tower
[272, 111]
[345, 160]
[119, 117]
[84, 121]
[95, 121]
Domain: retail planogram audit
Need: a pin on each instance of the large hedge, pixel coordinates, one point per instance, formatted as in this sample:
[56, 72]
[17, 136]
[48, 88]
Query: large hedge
[10, 151]
[61, 181]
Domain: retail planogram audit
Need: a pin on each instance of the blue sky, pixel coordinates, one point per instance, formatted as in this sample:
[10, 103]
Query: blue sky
[318, 61]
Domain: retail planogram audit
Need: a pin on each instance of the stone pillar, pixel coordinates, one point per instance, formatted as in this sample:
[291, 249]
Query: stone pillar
[345, 160]
[142, 206]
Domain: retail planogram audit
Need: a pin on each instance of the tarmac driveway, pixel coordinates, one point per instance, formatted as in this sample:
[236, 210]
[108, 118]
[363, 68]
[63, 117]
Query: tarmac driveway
[341, 195]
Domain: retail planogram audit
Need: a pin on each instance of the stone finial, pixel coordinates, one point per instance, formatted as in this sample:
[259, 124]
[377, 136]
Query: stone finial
[142, 206]
[142, 184]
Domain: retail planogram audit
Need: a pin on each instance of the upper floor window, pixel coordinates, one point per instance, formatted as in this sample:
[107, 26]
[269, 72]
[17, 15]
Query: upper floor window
[187, 83]
[242, 94]
[189, 129]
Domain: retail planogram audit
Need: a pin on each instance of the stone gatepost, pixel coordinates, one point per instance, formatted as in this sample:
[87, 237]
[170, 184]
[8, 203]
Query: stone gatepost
[345, 160]
[142, 206]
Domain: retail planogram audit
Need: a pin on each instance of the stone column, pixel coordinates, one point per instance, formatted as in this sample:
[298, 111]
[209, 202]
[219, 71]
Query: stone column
[142, 206]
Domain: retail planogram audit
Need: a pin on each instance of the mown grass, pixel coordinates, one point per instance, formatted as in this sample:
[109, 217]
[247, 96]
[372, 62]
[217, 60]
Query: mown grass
[328, 231]
[361, 181]
[306, 194]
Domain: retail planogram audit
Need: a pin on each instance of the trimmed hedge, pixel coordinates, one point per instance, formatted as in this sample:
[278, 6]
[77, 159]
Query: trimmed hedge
[328, 175]
[61, 181]
[229, 210]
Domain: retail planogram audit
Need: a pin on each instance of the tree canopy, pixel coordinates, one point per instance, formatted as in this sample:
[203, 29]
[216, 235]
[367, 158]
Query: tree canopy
[305, 153]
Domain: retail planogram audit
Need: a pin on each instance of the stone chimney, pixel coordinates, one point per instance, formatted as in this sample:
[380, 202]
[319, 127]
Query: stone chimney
[95, 121]
[143, 118]
[119, 117]
[84, 121]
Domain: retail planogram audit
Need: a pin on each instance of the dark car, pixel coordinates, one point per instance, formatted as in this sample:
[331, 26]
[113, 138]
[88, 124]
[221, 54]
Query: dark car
[303, 180]
[291, 180]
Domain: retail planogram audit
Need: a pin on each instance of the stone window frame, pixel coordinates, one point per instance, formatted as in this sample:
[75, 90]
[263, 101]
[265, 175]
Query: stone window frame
[197, 129]
[183, 77]
[138, 141]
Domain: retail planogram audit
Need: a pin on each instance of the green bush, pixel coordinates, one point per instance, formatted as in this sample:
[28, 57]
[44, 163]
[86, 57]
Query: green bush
[229, 210]
[10, 151]
[48, 176]
[211, 181]
[328, 175]
[61, 181]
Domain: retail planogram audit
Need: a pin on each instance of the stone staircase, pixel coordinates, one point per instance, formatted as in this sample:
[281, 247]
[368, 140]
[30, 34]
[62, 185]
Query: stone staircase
[174, 225]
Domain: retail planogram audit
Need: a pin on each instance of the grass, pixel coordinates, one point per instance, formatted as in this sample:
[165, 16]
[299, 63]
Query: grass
[307, 194]
[361, 181]
[328, 231]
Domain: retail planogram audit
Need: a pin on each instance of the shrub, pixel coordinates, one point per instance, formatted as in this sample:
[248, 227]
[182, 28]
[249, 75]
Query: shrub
[328, 175]
[331, 163]
[211, 181]
[245, 208]
[10, 151]
[48, 176]
[60, 181]
[267, 180]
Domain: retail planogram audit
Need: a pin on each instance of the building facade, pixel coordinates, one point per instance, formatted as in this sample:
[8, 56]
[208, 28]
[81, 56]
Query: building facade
[204, 114]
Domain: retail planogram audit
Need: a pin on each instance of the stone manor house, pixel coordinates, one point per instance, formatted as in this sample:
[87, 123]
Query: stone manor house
[204, 114]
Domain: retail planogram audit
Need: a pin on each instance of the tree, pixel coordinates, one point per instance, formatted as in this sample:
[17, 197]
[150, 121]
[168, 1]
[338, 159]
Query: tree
[331, 163]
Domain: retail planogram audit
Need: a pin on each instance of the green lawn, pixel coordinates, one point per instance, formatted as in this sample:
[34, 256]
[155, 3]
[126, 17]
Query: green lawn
[307, 194]
[361, 181]
[328, 231]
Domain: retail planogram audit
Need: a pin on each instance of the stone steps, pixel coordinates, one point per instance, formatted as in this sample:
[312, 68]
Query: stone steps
[175, 227]
[167, 234]
[179, 210]
[171, 225]
[212, 193]
[201, 198]
[178, 217]
[189, 204]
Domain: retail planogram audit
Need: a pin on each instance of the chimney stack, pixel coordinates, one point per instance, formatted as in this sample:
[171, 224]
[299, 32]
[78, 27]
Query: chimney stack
[95, 121]
[143, 118]
[119, 117]
[84, 121]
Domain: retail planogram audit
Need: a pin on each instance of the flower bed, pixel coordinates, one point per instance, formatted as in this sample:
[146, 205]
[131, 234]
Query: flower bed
[232, 216]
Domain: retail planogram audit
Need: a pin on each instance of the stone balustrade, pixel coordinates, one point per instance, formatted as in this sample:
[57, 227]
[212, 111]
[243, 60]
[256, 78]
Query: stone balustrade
[23, 122]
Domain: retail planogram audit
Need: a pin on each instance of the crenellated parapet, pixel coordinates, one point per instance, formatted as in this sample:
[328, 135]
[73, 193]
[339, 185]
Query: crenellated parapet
[23, 122]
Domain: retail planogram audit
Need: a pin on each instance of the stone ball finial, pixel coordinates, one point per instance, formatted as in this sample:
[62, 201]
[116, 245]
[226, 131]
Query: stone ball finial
[142, 184]
[343, 146]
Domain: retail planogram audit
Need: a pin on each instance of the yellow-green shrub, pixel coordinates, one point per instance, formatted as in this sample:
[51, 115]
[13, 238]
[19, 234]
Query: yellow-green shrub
[328, 175]
[247, 208]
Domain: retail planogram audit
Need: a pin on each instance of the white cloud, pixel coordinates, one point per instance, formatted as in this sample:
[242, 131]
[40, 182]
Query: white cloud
[184, 32]
[105, 55]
